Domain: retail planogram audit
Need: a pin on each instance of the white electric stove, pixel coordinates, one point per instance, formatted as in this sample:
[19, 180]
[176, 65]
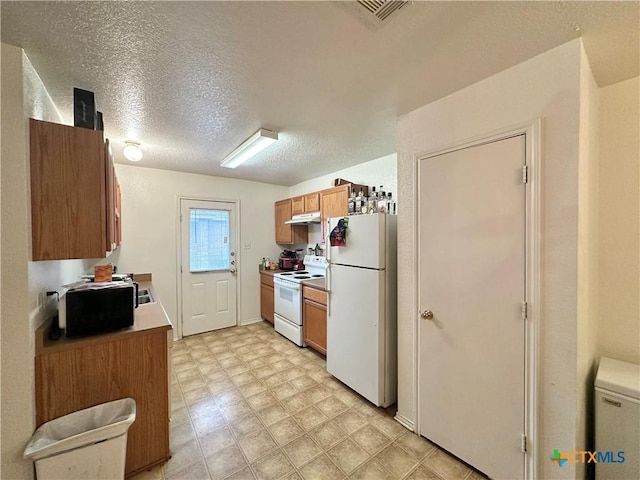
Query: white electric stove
[288, 297]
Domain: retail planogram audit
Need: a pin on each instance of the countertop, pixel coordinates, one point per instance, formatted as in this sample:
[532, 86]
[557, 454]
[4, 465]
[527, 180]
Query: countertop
[271, 272]
[148, 317]
[317, 283]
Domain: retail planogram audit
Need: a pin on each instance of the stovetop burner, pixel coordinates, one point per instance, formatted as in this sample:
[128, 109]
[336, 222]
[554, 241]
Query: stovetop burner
[314, 268]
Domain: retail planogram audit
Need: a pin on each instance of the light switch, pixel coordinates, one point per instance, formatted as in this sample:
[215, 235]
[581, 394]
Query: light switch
[247, 245]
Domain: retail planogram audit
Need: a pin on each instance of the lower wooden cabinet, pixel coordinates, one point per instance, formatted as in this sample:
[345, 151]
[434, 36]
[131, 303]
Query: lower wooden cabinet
[266, 297]
[314, 318]
[134, 365]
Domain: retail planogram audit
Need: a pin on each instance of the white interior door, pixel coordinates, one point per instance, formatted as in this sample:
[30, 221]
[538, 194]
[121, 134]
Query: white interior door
[209, 265]
[472, 278]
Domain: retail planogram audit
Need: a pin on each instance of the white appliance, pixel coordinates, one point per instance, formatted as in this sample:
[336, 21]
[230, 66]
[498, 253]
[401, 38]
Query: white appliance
[304, 218]
[287, 302]
[361, 316]
[617, 394]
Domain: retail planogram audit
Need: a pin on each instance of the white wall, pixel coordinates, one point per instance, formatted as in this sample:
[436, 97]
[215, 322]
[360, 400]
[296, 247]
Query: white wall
[546, 86]
[619, 217]
[587, 315]
[23, 282]
[47, 275]
[149, 228]
[17, 363]
[380, 171]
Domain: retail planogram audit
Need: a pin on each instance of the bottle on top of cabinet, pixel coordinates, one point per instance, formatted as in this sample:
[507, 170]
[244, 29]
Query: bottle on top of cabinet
[372, 201]
[360, 203]
[391, 204]
[351, 203]
[382, 202]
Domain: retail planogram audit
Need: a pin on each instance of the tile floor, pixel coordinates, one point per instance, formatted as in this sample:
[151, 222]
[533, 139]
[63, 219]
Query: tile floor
[248, 404]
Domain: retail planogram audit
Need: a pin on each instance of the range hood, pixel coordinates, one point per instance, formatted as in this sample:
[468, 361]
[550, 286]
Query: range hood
[304, 218]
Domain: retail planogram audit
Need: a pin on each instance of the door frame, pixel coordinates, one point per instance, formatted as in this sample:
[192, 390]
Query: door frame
[179, 199]
[533, 263]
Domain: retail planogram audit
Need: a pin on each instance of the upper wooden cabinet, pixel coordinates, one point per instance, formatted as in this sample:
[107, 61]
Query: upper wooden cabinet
[306, 203]
[110, 176]
[312, 202]
[331, 202]
[72, 193]
[334, 202]
[297, 205]
[288, 234]
[118, 214]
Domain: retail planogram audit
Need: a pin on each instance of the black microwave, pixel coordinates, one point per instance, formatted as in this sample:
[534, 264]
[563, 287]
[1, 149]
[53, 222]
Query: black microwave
[95, 308]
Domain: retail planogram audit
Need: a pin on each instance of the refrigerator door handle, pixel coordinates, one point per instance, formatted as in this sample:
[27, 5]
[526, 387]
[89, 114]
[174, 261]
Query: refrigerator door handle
[328, 287]
[327, 249]
[327, 241]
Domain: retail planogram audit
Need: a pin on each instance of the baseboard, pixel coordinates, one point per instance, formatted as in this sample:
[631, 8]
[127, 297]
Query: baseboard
[250, 321]
[405, 422]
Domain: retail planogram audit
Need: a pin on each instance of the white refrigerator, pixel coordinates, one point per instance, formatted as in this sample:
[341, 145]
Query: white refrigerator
[361, 314]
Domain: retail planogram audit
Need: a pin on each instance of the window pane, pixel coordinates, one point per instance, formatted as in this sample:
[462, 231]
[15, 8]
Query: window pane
[209, 240]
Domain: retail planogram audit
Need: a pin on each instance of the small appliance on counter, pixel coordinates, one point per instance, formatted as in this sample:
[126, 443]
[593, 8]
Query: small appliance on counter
[288, 260]
[90, 308]
[116, 277]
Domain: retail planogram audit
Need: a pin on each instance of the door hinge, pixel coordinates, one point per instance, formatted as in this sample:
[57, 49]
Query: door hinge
[525, 174]
[524, 310]
[180, 268]
[523, 444]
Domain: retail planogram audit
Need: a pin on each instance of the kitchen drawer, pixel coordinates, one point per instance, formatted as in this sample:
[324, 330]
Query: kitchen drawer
[315, 295]
[266, 279]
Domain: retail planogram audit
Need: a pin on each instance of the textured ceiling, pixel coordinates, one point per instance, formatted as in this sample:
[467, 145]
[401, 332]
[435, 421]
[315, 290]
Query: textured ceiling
[192, 80]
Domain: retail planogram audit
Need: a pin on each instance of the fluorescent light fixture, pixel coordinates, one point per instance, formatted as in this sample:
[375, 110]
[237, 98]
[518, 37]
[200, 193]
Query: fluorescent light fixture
[250, 147]
[132, 151]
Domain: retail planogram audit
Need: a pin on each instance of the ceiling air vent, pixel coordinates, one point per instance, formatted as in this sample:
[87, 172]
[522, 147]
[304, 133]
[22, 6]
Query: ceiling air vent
[382, 8]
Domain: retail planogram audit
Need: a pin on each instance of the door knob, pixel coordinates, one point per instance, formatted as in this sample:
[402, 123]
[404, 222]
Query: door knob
[233, 270]
[427, 315]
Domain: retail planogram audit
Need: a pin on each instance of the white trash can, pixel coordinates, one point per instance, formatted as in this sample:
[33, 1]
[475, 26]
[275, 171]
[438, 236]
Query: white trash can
[87, 444]
[617, 405]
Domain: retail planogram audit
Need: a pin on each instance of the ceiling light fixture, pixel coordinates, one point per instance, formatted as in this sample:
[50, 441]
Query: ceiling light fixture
[132, 151]
[250, 147]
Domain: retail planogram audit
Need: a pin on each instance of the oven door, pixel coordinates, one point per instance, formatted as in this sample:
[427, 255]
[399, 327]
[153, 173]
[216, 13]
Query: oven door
[288, 302]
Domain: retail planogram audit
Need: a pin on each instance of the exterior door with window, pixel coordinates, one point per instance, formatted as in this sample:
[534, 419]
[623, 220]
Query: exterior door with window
[208, 265]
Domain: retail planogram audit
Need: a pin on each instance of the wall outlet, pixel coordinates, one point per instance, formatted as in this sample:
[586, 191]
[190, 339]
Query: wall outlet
[247, 245]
